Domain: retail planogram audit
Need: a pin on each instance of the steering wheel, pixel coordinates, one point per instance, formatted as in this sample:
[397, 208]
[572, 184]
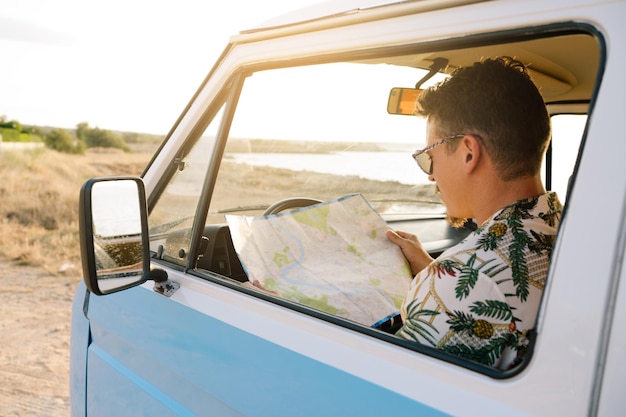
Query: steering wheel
[289, 203]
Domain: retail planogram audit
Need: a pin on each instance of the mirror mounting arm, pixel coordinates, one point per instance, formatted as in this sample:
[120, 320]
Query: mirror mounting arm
[438, 64]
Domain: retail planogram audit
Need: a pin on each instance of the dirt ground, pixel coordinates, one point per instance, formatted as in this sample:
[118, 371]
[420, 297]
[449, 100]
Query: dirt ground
[35, 310]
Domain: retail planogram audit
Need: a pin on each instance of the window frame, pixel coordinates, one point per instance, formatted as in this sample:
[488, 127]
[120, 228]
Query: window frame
[230, 95]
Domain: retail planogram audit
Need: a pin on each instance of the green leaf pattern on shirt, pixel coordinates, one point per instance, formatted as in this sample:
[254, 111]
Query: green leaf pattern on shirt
[480, 298]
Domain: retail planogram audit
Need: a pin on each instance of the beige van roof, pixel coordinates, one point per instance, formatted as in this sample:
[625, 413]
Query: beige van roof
[330, 9]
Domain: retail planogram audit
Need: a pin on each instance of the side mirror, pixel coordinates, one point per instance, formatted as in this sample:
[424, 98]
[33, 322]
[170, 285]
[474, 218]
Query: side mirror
[403, 100]
[113, 228]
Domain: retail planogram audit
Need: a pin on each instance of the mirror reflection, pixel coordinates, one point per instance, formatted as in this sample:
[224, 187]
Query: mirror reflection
[403, 101]
[117, 236]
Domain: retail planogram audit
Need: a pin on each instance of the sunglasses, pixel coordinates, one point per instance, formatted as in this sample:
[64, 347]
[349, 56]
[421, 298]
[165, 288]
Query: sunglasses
[423, 159]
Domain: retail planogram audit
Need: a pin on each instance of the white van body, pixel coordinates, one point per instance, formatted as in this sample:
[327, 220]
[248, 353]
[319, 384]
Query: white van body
[215, 347]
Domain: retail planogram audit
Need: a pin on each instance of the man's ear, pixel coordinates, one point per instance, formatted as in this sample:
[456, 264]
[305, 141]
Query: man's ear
[471, 149]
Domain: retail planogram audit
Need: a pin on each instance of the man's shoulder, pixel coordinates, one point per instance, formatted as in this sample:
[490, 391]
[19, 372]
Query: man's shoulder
[520, 223]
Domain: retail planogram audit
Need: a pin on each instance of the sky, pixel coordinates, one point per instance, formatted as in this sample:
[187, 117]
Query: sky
[127, 65]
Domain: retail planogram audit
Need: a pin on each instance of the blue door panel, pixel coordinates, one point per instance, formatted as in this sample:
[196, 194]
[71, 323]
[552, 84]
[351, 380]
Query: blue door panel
[152, 346]
[116, 390]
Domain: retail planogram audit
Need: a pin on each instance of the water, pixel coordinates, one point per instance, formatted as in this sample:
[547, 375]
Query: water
[381, 166]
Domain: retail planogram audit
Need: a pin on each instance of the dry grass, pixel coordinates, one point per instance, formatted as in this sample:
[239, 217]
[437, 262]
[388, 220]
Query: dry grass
[39, 196]
[39, 201]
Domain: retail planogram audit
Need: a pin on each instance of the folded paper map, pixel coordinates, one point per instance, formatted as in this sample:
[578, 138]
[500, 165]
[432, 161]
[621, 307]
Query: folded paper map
[333, 256]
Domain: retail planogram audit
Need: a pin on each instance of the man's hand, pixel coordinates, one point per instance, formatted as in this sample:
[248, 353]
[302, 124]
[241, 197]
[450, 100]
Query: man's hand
[412, 249]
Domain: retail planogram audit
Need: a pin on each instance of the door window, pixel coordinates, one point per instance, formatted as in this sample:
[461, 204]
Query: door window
[171, 218]
[567, 133]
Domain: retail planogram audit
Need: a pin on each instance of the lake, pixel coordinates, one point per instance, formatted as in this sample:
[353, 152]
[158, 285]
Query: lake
[381, 166]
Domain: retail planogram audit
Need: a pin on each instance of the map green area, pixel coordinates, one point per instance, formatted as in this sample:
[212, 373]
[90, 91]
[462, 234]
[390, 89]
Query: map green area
[333, 256]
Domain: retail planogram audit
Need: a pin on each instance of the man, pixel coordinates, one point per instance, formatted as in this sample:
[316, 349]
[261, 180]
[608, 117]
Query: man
[487, 131]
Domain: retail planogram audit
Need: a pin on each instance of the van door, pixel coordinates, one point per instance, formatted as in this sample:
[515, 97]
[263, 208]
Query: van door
[205, 349]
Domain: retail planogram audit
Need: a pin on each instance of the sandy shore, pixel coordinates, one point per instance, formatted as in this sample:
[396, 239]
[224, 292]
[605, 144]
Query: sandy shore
[34, 340]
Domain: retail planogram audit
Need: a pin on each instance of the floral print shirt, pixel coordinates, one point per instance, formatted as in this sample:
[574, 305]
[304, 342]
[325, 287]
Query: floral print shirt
[479, 299]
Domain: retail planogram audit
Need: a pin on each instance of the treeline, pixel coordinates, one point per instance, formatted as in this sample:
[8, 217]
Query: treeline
[74, 141]
[13, 131]
[83, 137]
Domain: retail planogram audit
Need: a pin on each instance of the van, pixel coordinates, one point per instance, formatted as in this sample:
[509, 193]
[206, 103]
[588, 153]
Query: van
[305, 110]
